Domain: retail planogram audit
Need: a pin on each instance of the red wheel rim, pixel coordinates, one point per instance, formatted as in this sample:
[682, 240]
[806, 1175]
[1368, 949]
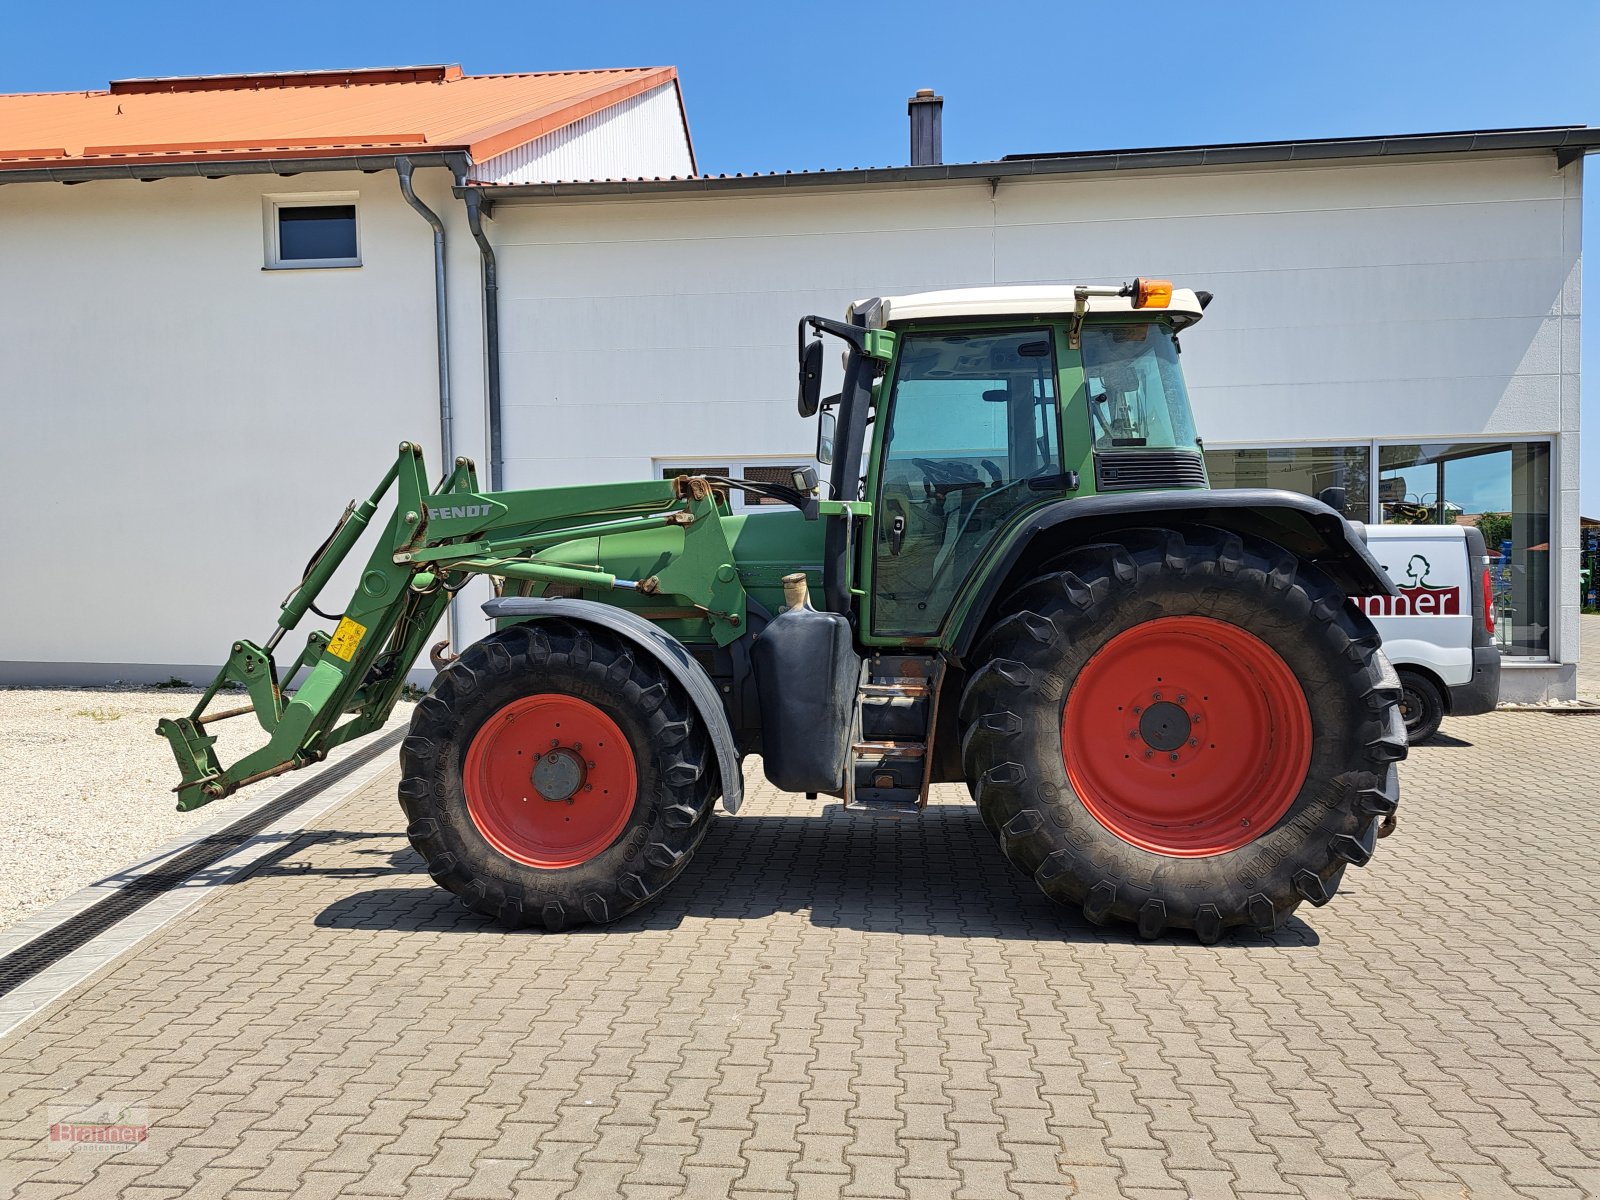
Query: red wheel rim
[1186, 736]
[550, 780]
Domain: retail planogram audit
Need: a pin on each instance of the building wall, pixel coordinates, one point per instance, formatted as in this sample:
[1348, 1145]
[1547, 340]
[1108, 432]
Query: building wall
[1403, 299]
[644, 136]
[184, 427]
[190, 425]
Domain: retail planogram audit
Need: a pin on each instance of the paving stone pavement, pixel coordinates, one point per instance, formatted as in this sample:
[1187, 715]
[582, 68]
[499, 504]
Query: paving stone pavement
[829, 1006]
[1589, 651]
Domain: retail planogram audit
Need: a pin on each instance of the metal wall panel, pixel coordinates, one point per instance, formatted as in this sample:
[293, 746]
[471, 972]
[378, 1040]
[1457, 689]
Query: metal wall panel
[643, 137]
[1409, 300]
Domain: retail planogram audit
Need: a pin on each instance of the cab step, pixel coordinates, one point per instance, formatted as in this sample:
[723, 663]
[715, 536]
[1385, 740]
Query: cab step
[890, 760]
[890, 749]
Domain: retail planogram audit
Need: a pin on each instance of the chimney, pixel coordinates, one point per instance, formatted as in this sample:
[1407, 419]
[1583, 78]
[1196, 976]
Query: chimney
[927, 142]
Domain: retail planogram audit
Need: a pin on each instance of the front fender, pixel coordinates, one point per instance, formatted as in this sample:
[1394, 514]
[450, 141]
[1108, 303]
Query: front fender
[1307, 528]
[666, 650]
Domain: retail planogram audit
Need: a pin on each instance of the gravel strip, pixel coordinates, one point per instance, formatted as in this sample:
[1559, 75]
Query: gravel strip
[86, 784]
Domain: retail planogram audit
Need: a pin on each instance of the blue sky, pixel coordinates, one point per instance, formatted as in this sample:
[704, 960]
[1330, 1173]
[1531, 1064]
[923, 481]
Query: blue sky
[773, 86]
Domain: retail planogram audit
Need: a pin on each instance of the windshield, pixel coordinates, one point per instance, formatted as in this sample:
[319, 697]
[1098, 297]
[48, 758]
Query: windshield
[1136, 392]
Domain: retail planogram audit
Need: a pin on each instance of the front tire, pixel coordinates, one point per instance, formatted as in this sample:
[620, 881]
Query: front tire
[556, 775]
[1183, 729]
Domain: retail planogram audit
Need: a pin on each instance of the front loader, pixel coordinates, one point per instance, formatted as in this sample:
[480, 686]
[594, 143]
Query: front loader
[1016, 576]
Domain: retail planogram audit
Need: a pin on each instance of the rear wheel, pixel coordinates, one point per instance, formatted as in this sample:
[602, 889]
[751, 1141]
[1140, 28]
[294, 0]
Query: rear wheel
[1183, 729]
[556, 775]
[1421, 705]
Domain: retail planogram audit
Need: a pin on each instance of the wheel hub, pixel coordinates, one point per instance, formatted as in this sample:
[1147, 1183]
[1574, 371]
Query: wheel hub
[558, 775]
[1164, 726]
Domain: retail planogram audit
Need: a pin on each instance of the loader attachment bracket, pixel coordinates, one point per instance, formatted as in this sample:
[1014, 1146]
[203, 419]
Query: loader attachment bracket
[197, 761]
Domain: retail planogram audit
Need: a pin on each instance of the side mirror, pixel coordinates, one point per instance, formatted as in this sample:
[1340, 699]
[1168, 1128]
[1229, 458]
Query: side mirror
[810, 378]
[825, 427]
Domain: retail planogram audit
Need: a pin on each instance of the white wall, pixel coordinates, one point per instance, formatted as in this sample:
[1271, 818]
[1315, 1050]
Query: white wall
[1397, 299]
[187, 426]
[182, 428]
[642, 137]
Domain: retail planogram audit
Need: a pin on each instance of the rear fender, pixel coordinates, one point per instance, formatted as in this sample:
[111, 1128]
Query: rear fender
[665, 649]
[1305, 527]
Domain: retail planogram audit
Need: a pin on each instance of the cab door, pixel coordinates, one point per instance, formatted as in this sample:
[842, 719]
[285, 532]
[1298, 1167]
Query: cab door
[971, 436]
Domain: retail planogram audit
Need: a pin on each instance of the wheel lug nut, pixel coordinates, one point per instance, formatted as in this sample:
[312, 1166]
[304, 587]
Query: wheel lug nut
[1137, 709]
[1155, 695]
[1181, 699]
[1147, 753]
[1192, 742]
[1173, 757]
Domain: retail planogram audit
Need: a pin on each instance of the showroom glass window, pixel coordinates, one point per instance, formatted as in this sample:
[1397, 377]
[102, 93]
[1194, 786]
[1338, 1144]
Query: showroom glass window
[1340, 476]
[1504, 489]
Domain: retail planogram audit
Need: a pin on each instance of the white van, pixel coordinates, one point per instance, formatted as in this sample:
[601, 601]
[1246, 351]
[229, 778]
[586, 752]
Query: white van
[1439, 631]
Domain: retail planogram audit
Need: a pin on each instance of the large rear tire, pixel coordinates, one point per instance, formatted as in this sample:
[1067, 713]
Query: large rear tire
[556, 775]
[1183, 729]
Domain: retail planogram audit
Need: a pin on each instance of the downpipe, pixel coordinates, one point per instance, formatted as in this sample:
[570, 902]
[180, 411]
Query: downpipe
[403, 168]
[491, 335]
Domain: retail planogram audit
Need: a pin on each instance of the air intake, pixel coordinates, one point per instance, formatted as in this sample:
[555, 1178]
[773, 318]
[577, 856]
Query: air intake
[1144, 470]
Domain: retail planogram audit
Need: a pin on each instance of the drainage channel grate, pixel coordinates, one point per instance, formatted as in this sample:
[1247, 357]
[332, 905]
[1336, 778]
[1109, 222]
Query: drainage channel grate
[50, 948]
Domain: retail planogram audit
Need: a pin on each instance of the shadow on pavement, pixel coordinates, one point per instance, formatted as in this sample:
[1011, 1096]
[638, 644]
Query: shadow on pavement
[939, 874]
[1444, 739]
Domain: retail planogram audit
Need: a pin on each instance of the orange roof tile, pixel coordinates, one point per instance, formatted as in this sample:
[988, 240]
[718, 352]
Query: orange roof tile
[307, 114]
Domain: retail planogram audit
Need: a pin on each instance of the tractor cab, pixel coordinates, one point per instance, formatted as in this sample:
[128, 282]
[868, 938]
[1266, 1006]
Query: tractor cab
[964, 409]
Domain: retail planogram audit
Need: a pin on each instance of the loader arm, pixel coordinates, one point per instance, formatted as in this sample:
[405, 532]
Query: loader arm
[433, 542]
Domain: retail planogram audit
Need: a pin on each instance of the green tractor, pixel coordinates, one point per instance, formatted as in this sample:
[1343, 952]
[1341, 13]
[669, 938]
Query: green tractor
[1017, 577]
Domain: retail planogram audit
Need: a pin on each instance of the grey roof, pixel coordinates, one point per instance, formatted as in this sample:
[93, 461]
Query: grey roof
[1566, 141]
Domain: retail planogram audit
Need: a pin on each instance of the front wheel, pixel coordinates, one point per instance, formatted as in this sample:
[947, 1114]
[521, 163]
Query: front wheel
[1183, 729]
[556, 775]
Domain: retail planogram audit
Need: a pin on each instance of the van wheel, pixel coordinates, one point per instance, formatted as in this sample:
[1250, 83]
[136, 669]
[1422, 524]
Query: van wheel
[1421, 704]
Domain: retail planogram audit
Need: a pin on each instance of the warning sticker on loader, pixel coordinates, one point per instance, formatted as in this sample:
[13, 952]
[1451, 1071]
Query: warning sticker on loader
[346, 638]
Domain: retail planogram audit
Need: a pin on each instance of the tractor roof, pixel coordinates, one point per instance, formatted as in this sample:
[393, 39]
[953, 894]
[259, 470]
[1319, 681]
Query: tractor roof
[1034, 299]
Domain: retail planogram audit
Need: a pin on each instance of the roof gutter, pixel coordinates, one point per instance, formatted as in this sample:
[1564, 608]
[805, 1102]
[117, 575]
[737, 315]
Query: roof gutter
[146, 172]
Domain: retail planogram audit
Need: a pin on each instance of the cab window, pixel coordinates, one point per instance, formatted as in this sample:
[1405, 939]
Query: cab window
[1137, 398]
[972, 423]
